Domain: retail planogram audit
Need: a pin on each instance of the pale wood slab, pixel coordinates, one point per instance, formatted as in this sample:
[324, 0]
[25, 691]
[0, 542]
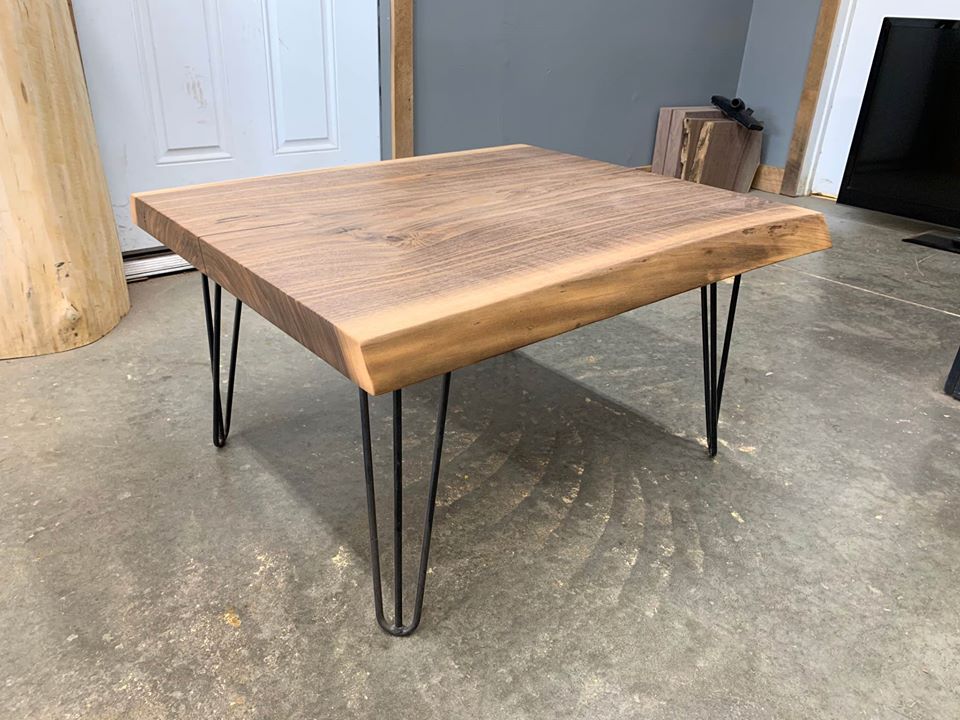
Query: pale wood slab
[397, 271]
[61, 275]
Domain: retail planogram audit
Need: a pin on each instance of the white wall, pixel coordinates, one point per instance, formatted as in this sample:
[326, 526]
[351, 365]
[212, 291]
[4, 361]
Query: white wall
[856, 53]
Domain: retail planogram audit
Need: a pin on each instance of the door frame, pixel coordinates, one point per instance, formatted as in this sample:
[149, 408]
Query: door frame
[816, 99]
[842, 37]
[401, 78]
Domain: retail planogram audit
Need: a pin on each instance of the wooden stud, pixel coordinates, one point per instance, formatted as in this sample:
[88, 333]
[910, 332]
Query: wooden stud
[816, 66]
[401, 77]
[398, 271]
[61, 275]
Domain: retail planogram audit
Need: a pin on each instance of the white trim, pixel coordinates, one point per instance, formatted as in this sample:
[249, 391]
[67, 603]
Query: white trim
[828, 88]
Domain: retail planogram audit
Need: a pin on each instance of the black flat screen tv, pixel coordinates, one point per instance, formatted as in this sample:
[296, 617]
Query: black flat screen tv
[905, 156]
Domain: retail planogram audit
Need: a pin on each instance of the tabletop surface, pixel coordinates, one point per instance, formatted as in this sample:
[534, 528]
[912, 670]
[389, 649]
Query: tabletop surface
[397, 271]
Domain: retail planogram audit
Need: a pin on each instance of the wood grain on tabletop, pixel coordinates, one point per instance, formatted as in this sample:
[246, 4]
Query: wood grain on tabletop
[397, 271]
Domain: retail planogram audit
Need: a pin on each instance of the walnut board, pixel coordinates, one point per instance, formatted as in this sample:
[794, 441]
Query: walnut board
[671, 137]
[721, 153]
[398, 271]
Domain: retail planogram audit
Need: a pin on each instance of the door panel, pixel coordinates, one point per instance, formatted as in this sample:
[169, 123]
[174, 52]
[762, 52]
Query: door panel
[182, 69]
[191, 91]
[302, 86]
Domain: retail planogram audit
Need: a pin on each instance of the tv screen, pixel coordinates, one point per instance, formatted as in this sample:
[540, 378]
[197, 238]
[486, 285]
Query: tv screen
[905, 156]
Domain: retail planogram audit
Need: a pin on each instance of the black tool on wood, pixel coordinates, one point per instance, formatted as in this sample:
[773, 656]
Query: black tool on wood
[737, 109]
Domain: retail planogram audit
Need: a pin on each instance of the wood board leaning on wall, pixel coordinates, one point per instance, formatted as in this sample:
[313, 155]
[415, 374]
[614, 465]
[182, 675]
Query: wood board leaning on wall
[61, 276]
[700, 145]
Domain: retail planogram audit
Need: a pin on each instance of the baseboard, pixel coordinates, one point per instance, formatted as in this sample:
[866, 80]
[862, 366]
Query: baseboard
[768, 179]
[145, 264]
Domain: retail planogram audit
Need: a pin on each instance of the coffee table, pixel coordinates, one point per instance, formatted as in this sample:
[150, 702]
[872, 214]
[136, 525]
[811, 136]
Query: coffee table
[399, 271]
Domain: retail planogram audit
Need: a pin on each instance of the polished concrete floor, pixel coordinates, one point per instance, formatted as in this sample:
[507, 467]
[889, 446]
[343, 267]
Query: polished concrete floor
[589, 560]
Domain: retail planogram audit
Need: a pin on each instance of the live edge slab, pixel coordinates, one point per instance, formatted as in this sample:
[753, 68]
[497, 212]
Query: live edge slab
[397, 271]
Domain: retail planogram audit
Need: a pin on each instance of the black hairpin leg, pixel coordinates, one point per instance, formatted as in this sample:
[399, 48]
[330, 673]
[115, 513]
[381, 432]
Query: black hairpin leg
[397, 628]
[952, 386]
[221, 416]
[712, 377]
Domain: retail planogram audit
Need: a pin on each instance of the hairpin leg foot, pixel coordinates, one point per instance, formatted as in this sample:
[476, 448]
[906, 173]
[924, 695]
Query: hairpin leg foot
[397, 627]
[713, 376]
[221, 415]
[952, 386]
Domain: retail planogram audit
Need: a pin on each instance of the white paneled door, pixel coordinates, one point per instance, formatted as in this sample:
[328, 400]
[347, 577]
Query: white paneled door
[192, 91]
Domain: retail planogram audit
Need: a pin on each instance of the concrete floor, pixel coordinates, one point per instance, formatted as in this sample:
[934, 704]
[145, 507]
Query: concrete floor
[589, 560]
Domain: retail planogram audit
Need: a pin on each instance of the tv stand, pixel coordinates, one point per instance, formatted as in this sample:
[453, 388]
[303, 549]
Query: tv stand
[950, 243]
[937, 240]
[953, 379]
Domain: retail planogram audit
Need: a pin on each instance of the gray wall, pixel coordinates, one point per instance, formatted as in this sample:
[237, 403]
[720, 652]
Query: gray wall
[581, 76]
[774, 66]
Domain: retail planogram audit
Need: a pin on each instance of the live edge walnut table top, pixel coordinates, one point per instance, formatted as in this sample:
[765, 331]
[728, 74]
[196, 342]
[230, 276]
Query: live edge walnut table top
[397, 271]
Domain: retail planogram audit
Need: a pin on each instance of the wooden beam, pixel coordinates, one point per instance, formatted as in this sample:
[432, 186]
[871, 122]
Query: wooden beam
[61, 277]
[401, 77]
[816, 66]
